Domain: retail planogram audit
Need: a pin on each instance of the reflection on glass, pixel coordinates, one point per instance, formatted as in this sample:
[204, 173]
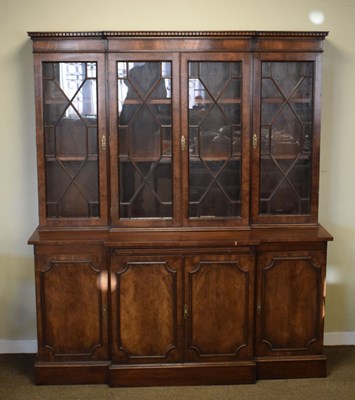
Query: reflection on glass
[286, 137]
[145, 141]
[215, 139]
[70, 136]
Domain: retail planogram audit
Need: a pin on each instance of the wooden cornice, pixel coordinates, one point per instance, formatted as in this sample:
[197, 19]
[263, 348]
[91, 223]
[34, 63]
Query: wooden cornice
[175, 34]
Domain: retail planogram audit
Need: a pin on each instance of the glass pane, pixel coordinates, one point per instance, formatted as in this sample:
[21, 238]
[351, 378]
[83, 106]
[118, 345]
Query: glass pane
[70, 135]
[145, 139]
[286, 137]
[215, 139]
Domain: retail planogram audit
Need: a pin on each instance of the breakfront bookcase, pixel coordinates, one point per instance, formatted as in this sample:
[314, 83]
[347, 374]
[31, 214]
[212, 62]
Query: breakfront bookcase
[178, 239]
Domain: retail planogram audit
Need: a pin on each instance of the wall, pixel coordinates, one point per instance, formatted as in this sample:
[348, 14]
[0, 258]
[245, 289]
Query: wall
[18, 211]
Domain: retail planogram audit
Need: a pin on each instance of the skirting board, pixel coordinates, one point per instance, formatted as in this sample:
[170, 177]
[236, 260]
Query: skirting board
[18, 346]
[339, 338]
[30, 346]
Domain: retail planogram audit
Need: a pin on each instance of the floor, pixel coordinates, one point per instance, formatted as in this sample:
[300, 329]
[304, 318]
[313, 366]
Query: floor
[17, 382]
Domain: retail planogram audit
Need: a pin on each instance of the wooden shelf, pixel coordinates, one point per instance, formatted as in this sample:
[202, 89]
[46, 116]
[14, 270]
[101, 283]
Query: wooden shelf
[71, 158]
[277, 100]
[148, 101]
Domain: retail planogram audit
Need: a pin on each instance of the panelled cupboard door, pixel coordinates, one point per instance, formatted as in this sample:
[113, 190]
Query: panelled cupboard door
[72, 306]
[285, 140]
[214, 139]
[71, 139]
[290, 303]
[146, 309]
[219, 307]
[145, 157]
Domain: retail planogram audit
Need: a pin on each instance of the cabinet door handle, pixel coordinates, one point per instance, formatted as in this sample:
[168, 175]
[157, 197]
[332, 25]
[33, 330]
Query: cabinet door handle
[186, 311]
[103, 142]
[255, 141]
[183, 143]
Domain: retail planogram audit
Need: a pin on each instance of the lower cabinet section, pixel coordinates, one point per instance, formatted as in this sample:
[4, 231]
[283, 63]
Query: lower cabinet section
[290, 303]
[191, 313]
[183, 374]
[185, 316]
[72, 314]
[291, 367]
[71, 373]
[290, 314]
[218, 307]
[146, 309]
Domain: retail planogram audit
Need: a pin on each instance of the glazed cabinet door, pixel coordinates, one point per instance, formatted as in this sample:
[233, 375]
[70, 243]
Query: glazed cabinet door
[285, 140]
[218, 310]
[290, 303]
[166, 107]
[145, 158]
[146, 309]
[214, 138]
[71, 139]
[71, 288]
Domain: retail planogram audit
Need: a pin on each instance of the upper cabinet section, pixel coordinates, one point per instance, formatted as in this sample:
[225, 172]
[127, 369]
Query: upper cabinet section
[177, 129]
[215, 126]
[286, 129]
[71, 136]
[144, 129]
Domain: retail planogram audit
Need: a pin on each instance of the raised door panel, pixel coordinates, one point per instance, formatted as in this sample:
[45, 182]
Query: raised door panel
[72, 306]
[146, 309]
[71, 139]
[285, 138]
[218, 309]
[290, 303]
[215, 103]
